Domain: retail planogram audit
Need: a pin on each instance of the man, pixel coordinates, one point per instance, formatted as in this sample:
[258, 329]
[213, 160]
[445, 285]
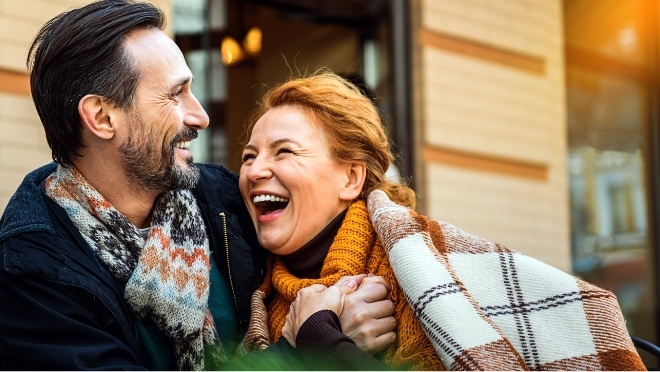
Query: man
[124, 254]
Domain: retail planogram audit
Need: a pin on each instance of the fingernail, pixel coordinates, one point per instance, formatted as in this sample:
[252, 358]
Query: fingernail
[351, 283]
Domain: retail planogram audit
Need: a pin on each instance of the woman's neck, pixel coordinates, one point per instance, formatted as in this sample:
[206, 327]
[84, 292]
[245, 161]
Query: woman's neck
[307, 261]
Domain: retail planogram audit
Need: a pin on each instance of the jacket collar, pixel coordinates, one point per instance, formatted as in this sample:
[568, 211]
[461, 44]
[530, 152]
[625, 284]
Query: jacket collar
[27, 210]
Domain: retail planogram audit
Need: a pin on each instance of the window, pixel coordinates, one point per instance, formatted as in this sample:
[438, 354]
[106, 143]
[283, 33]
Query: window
[352, 37]
[611, 85]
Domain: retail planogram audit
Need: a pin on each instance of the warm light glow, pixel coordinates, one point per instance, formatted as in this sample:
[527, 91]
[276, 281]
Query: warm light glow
[231, 51]
[252, 41]
[628, 39]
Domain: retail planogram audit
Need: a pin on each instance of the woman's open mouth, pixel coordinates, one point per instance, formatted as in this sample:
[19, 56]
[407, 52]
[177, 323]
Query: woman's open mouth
[267, 204]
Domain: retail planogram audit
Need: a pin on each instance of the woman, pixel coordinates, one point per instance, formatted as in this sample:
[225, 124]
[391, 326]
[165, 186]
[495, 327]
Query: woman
[313, 179]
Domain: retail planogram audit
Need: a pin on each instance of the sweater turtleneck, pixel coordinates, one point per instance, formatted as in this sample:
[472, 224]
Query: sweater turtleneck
[307, 261]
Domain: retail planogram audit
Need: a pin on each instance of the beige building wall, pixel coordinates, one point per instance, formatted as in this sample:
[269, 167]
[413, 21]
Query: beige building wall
[23, 144]
[490, 121]
[488, 104]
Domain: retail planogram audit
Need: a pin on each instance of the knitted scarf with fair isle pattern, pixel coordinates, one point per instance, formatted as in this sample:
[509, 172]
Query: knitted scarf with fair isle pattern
[166, 275]
[485, 307]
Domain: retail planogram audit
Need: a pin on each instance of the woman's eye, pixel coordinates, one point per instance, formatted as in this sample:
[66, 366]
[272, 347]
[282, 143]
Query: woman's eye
[284, 151]
[247, 157]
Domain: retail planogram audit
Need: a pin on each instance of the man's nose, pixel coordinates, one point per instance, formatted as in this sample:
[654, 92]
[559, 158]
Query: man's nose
[195, 115]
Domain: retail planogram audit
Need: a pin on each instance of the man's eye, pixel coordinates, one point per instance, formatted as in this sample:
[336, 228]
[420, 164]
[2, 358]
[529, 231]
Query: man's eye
[177, 94]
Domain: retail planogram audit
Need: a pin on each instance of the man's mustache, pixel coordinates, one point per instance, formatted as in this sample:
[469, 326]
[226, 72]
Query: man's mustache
[185, 135]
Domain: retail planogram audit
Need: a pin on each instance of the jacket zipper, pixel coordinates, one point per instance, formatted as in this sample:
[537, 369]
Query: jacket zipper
[231, 281]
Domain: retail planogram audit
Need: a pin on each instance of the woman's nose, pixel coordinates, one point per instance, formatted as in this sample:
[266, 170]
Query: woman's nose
[258, 169]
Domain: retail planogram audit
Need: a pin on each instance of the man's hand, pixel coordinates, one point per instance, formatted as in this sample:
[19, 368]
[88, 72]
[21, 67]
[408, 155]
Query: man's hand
[315, 298]
[367, 314]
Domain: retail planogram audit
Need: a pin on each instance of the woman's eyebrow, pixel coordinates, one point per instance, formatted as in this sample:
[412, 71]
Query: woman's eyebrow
[284, 140]
[273, 144]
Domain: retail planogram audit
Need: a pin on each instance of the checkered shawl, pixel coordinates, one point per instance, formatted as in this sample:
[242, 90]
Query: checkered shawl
[486, 307]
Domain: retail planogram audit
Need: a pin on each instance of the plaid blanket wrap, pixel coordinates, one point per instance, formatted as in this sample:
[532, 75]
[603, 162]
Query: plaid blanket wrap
[486, 307]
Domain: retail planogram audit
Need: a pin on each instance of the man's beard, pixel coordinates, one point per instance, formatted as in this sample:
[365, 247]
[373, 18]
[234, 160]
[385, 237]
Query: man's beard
[151, 163]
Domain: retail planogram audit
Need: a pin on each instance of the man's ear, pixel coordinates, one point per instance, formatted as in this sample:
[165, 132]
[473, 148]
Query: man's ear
[357, 173]
[94, 113]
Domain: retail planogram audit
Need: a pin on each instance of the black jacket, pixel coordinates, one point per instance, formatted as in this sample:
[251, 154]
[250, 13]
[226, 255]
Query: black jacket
[62, 310]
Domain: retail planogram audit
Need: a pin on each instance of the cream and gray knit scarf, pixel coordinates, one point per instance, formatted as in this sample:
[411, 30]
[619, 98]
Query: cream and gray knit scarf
[166, 275]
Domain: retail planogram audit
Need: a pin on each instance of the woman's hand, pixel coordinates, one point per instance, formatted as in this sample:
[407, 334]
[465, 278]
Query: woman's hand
[315, 298]
[367, 316]
[360, 302]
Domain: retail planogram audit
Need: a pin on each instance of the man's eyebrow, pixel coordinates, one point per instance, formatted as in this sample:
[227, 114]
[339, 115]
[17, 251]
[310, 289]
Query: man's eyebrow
[184, 81]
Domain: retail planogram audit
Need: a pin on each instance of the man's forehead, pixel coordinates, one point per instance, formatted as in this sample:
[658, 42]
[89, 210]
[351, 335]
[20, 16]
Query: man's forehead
[155, 53]
[152, 44]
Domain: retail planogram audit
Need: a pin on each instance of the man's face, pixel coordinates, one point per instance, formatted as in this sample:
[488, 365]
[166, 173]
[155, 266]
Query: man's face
[152, 163]
[164, 118]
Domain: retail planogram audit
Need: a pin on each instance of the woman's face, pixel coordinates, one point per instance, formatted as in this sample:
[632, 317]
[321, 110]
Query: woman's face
[289, 182]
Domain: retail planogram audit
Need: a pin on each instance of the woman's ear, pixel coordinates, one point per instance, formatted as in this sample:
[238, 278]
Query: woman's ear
[94, 113]
[357, 173]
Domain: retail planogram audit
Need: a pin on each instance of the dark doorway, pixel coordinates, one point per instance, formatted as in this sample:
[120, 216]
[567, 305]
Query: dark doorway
[355, 38]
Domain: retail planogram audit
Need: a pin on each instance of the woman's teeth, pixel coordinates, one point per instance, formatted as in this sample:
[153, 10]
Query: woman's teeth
[269, 198]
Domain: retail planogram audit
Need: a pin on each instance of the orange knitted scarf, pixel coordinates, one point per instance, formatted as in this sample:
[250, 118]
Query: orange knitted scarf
[356, 250]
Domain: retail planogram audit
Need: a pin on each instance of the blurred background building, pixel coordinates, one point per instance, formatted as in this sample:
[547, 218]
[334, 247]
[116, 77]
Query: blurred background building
[533, 123]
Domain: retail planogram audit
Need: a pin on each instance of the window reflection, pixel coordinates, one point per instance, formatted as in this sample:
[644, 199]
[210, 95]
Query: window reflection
[608, 85]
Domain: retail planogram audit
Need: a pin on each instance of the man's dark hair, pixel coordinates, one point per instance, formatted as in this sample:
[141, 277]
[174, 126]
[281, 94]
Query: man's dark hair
[81, 52]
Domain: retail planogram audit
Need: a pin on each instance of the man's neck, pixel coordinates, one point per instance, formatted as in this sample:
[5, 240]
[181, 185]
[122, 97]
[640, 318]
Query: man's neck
[133, 201]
